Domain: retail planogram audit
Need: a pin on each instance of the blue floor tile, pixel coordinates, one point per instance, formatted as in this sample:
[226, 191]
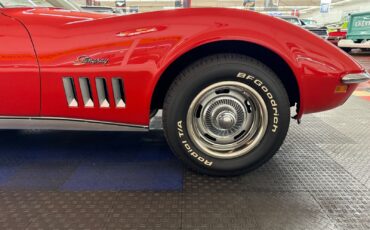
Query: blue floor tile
[6, 173]
[126, 176]
[86, 161]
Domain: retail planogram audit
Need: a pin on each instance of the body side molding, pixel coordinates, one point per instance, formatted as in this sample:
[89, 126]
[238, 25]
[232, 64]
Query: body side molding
[55, 123]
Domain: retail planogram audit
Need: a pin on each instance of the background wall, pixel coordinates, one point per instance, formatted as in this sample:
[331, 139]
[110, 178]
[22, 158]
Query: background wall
[337, 12]
[307, 8]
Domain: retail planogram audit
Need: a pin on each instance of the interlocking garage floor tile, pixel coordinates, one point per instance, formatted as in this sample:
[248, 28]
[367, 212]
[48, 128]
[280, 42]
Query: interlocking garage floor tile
[126, 176]
[276, 176]
[253, 210]
[75, 220]
[215, 210]
[354, 158]
[145, 210]
[287, 170]
[54, 210]
[351, 119]
[7, 171]
[55, 161]
[40, 175]
[349, 209]
[194, 182]
[297, 210]
[313, 130]
[54, 202]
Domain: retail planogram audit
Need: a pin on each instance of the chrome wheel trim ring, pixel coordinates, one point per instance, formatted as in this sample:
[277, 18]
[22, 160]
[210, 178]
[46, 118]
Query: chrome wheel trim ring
[227, 119]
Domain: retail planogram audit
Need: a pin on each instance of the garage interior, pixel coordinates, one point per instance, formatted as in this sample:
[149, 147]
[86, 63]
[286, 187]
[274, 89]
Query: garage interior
[319, 179]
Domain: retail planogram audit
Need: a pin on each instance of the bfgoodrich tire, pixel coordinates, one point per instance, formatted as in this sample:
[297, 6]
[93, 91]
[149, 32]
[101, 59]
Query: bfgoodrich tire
[226, 114]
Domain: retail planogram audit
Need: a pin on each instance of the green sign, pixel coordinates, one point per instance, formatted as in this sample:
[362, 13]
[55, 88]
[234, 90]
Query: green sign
[359, 26]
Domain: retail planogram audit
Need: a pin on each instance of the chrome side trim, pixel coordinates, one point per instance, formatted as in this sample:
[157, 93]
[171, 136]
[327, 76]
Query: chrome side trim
[53, 123]
[355, 78]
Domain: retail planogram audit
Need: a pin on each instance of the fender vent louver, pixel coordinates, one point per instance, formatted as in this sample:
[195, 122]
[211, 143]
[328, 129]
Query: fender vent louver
[101, 87]
[86, 92]
[103, 94]
[70, 91]
[118, 90]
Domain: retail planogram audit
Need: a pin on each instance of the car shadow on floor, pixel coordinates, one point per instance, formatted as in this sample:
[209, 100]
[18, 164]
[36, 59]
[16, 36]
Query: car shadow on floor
[79, 161]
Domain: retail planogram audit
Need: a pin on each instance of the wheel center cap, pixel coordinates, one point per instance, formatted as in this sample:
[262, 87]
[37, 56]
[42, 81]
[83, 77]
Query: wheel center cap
[226, 120]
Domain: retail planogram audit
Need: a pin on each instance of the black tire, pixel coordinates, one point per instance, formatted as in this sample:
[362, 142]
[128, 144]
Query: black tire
[234, 69]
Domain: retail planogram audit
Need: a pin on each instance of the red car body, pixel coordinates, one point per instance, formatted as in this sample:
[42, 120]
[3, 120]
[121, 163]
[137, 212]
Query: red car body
[40, 46]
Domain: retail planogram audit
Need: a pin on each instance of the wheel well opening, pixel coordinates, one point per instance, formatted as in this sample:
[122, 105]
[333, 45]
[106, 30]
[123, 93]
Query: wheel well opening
[266, 56]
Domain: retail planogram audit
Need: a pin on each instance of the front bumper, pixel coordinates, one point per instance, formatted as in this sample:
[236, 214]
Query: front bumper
[346, 43]
[355, 78]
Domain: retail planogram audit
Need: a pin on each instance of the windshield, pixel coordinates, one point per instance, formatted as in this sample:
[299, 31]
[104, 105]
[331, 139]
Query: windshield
[309, 22]
[65, 4]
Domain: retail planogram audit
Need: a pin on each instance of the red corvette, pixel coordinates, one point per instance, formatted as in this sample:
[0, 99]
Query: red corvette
[225, 78]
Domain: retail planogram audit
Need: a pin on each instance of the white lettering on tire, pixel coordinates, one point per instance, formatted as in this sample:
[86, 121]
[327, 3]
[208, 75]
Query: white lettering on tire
[269, 95]
[187, 146]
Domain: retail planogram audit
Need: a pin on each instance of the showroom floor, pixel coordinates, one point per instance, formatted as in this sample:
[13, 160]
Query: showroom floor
[320, 179]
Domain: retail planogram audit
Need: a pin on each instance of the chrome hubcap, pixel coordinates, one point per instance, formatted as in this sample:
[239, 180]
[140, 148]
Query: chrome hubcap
[227, 119]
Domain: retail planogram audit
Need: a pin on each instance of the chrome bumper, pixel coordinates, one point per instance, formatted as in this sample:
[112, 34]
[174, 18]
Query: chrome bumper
[355, 78]
[346, 43]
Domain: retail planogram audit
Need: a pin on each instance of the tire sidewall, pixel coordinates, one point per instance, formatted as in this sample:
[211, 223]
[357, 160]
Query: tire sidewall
[260, 79]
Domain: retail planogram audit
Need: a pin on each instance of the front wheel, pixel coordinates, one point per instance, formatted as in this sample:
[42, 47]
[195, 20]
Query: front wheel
[226, 114]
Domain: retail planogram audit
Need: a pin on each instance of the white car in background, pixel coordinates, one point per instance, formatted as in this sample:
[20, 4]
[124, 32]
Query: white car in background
[314, 28]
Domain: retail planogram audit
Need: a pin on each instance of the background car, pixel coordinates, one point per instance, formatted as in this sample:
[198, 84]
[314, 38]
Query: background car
[358, 35]
[337, 35]
[103, 9]
[319, 30]
[309, 22]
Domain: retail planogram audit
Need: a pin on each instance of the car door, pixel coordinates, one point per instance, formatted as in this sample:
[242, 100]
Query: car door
[84, 67]
[19, 71]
